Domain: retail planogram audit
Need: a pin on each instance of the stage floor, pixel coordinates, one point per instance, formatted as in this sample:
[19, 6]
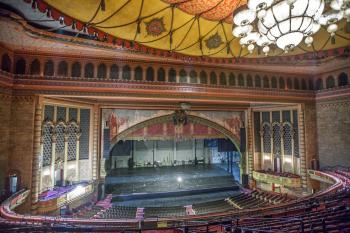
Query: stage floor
[154, 186]
[144, 174]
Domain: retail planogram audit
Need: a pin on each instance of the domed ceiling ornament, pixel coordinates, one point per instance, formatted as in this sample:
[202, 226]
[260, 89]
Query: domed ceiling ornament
[286, 23]
[155, 27]
[214, 41]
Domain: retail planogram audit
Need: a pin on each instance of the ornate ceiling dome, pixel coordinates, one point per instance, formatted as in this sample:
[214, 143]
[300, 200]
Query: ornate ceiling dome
[188, 27]
[215, 10]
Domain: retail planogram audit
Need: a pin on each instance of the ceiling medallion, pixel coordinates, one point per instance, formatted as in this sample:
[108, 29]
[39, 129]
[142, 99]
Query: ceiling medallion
[214, 41]
[155, 26]
[287, 22]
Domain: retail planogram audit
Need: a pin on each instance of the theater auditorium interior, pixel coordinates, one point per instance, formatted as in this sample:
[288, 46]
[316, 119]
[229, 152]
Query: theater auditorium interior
[175, 116]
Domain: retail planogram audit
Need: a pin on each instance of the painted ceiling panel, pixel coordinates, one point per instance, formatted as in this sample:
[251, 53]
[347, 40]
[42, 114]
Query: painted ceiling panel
[190, 27]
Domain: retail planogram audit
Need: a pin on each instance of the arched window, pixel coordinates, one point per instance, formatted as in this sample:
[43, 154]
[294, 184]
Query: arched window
[257, 81]
[232, 80]
[49, 68]
[282, 83]
[273, 82]
[222, 79]
[296, 84]
[62, 69]
[172, 75]
[150, 74]
[319, 84]
[311, 84]
[330, 82]
[89, 70]
[289, 84]
[161, 75]
[126, 73]
[101, 71]
[203, 77]
[6, 63]
[266, 82]
[193, 76]
[114, 72]
[303, 84]
[76, 70]
[343, 79]
[249, 81]
[183, 76]
[35, 67]
[20, 66]
[213, 79]
[138, 73]
[240, 80]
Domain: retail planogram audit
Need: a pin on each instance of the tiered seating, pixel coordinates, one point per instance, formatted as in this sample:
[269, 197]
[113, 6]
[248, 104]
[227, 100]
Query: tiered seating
[119, 212]
[312, 216]
[171, 211]
[256, 199]
[89, 212]
[212, 207]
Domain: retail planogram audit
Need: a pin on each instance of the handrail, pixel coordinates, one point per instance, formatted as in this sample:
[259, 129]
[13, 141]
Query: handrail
[189, 221]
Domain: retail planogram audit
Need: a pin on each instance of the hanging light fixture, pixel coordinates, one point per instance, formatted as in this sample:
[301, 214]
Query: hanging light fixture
[286, 23]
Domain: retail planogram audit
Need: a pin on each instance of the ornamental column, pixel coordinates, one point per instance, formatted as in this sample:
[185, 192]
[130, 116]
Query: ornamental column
[65, 163]
[77, 158]
[53, 158]
[250, 143]
[37, 148]
[95, 138]
[303, 168]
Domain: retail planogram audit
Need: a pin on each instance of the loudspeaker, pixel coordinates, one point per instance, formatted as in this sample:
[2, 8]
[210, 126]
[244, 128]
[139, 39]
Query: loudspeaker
[243, 140]
[245, 180]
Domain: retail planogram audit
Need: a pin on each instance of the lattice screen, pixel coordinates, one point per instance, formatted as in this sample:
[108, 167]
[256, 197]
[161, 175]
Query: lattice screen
[61, 114]
[84, 138]
[257, 141]
[72, 142]
[48, 112]
[296, 133]
[266, 137]
[276, 130]
[47, 144]
[60, 132]
[287, 139]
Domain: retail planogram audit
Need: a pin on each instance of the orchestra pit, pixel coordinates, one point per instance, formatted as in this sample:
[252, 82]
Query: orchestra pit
[175, 116]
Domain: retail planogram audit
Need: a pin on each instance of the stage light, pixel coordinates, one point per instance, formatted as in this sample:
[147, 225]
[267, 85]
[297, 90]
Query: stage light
[46, 172]
[267, 157]
[288, 160]
[179, 179]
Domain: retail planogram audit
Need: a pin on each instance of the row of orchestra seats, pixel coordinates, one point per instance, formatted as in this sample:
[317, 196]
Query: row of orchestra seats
[162, 212]
[212, 207]
[119, 212]
[253, 199]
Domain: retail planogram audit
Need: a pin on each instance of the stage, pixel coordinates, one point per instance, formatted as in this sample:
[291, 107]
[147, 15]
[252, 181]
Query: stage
[178, 185]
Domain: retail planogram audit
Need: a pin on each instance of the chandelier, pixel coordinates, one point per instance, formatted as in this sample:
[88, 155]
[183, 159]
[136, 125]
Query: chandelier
[286, 23]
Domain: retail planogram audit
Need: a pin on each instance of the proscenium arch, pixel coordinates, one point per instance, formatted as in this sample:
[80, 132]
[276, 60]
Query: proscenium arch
[191, 118]
[166, 118]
